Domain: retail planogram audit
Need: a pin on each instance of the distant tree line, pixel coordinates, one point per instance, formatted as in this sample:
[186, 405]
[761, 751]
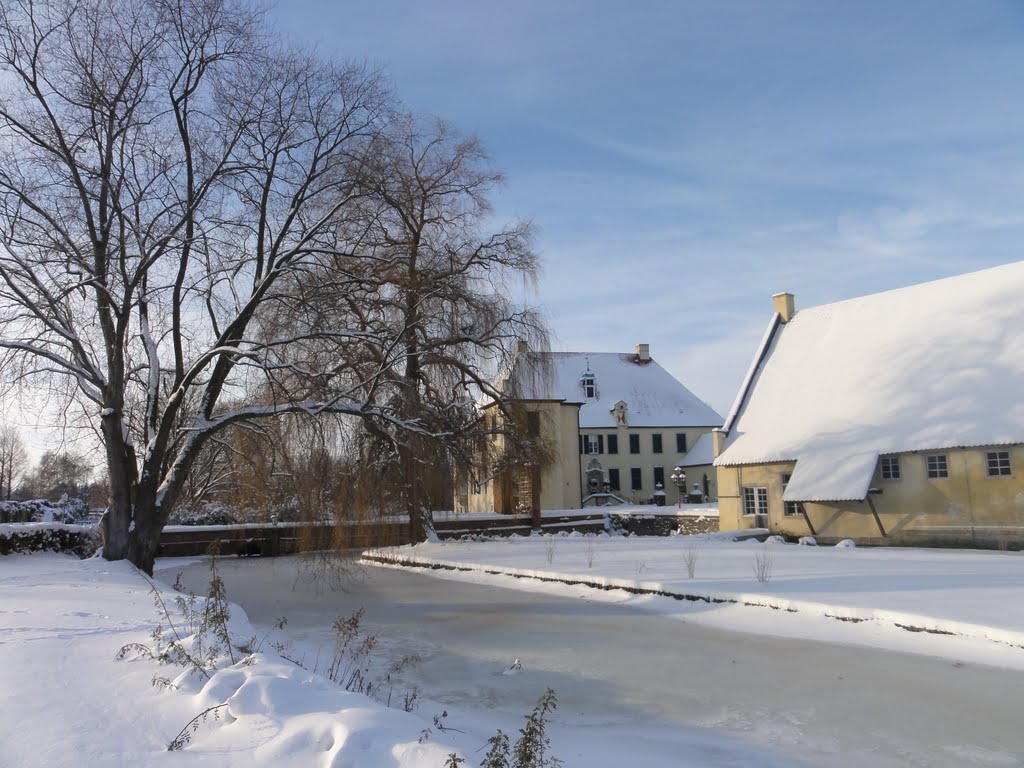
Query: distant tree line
[57, 474]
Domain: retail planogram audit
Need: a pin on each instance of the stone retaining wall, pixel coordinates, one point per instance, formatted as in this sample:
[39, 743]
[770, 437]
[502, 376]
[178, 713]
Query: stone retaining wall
[663, 525]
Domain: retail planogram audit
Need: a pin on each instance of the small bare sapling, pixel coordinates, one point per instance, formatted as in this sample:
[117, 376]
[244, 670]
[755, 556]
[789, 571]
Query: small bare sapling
[763, 565]
[550, 544]
[690, 555]
[588, 550]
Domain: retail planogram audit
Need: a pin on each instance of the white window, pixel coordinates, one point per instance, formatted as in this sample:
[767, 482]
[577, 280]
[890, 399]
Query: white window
[890, 468]
[789, 508]
[755, 501]
[937, 466]
[589, 385]
[593, 446]
[998, 463]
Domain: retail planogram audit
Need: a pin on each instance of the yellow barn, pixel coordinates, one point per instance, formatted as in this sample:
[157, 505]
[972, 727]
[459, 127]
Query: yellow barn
[895, 418]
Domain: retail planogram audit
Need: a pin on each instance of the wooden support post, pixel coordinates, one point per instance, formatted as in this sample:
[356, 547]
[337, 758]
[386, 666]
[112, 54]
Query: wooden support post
[874, 512]
[535, 496]
[810, 525]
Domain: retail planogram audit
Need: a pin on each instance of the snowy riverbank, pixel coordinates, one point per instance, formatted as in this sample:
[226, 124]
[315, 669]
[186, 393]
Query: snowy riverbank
[827, 593]
[70, 703]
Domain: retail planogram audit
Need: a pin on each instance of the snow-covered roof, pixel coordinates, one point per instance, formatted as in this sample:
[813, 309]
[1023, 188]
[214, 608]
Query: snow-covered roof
[702, 452]
[935, 365]
[653, 397]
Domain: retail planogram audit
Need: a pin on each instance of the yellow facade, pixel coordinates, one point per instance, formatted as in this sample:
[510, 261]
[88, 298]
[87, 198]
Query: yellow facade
[562, 482]
[646, 459]
[970, 507]
[556, 485]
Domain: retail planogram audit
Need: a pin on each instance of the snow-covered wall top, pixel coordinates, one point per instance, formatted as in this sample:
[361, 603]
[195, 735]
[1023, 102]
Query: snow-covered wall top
[935, 365]
[653, 397]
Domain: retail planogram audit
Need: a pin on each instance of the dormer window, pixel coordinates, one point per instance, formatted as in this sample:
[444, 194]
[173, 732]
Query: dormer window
[589, 385]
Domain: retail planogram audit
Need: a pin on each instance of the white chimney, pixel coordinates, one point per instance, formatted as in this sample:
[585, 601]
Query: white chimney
[785, 305]
[643, 352]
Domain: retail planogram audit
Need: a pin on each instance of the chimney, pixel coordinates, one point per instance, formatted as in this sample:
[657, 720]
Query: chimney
[522, 347]
[643, 352]
[784, 305]
[718, 436]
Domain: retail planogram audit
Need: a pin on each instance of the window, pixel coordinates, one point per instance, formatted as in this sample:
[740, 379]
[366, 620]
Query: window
[613, 479]
[937, 466]
[659, 477]
[680, 442]
[592, 445]
[636, 482]
[998, 463]
[890, 467]
[656, 443]
[755, 501]
[790, 508]
[634, 443]
[589, 385]
[613, 443]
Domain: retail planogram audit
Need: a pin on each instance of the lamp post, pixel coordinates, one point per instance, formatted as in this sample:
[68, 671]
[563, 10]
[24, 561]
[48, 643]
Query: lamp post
[678, 479]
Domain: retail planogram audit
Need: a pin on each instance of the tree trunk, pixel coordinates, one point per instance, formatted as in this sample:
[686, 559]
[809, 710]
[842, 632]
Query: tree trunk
[421, 519]
[122, 489]
[144, 540]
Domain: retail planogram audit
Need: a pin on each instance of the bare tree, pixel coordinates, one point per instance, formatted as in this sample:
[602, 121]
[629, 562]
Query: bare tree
[444, 272]
[13, 460]
[166, 178]
[200, 230]
[59, 473]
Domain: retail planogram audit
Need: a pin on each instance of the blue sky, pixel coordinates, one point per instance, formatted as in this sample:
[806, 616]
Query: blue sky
[683, 161]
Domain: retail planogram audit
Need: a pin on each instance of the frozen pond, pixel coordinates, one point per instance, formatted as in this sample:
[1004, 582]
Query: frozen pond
[637, 688]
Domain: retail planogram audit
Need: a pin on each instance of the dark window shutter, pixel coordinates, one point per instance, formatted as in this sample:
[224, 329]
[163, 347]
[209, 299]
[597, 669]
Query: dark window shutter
[680, 442]
[634, 443]
[656, 443]
[583, 444]
[613, 443]
[613, 479]
[634, 476]
[600, 443]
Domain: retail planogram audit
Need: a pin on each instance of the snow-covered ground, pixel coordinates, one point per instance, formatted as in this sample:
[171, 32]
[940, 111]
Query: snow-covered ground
[68, 702]
[632, 688]
[839, 593]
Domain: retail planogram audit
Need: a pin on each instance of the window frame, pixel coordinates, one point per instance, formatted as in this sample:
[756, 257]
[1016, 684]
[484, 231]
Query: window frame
[636, 479]
[589, 382]
[634, 444]
[790, 508]
[755, 497]
[659, 477]
[889, 468]
[657, 444]
[1000, 462]
[937, 466]
[613, 444]
[680, 442]
[613, 479]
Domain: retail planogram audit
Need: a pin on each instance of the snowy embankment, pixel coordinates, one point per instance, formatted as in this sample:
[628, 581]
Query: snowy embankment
[971, 594]
[69, 702]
